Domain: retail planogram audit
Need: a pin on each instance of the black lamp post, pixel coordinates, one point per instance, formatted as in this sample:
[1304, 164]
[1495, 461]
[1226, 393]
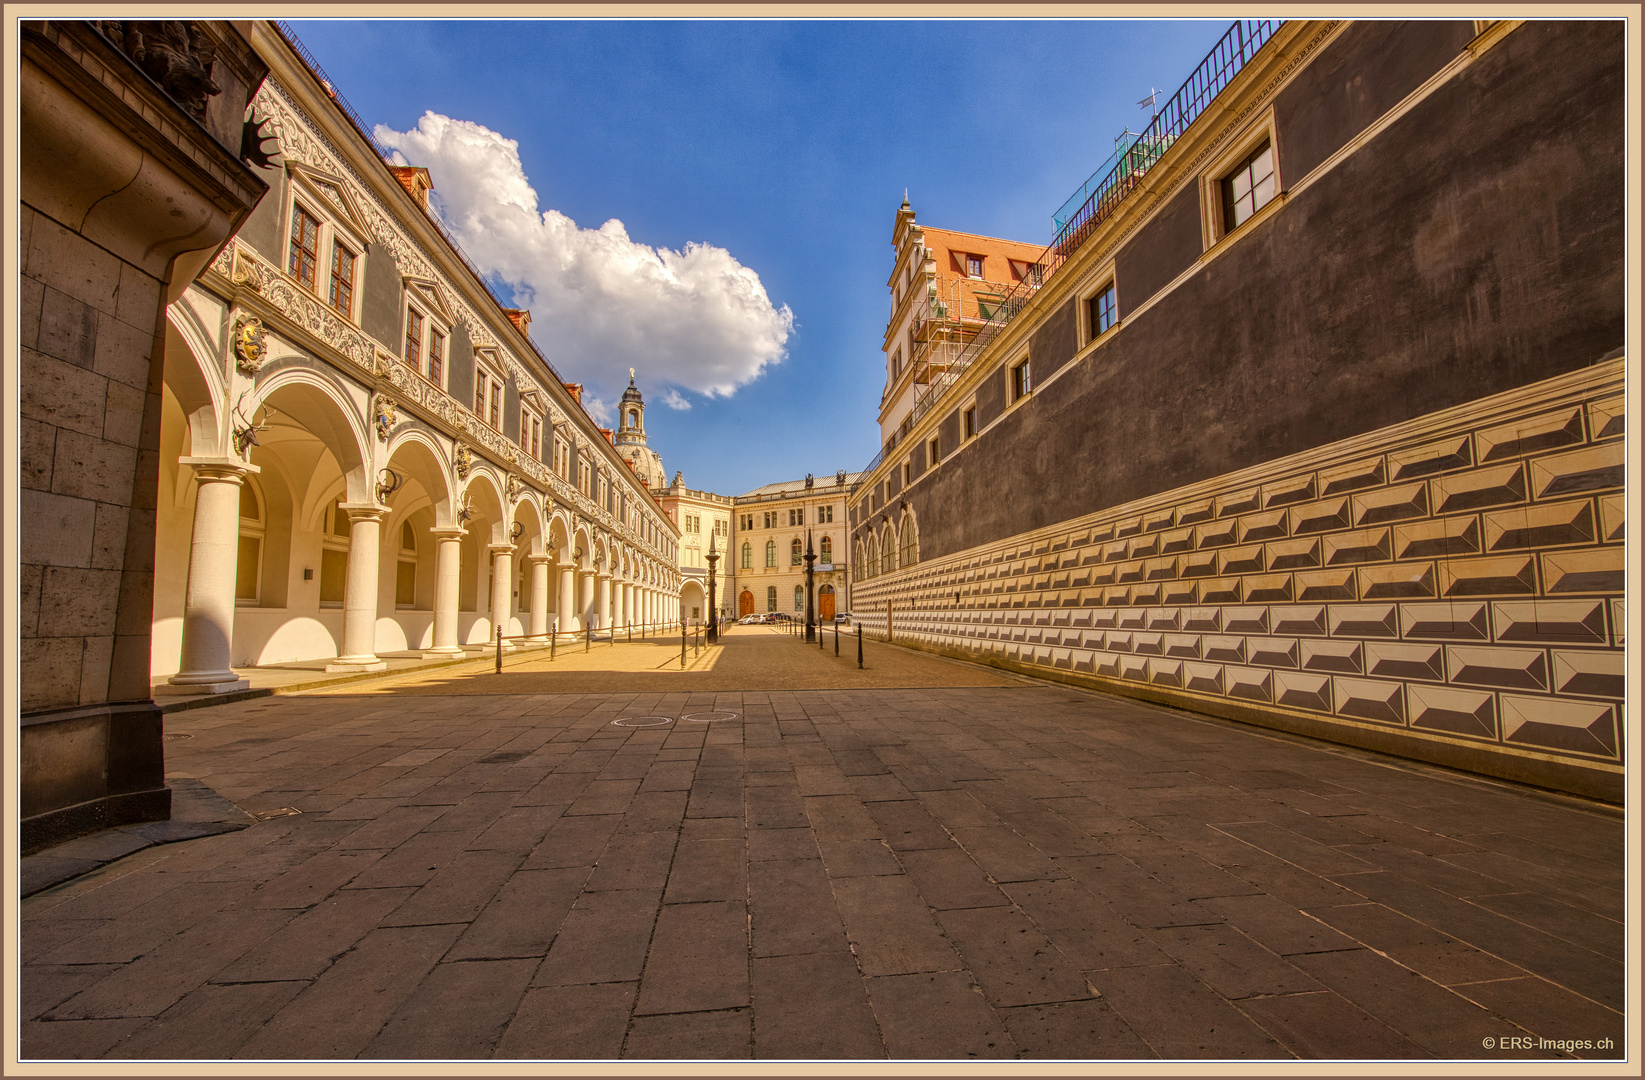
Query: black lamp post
[713, 612]
[810, 577]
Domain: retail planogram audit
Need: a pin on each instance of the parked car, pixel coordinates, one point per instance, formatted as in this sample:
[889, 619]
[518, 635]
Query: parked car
[748, 620]
[842, 618]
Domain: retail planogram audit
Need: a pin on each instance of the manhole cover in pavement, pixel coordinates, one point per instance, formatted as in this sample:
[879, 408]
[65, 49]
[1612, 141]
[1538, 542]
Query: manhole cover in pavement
[642, 721]
[709, 717]
[278, 811]
[168, 736]
[508, 757]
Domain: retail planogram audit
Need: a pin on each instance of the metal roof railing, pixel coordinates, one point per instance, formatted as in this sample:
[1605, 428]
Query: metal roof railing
[1225, 60]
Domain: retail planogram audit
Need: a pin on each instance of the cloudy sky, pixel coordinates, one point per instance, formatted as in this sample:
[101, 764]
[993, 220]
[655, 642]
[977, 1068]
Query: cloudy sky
[711, 203]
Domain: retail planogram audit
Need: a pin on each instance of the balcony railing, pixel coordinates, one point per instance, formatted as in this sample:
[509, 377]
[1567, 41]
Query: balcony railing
[1132, 162]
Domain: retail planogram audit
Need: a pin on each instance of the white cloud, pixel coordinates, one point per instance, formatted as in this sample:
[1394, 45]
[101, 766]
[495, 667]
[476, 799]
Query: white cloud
[600, 302]
[673, 399]
[598, 408]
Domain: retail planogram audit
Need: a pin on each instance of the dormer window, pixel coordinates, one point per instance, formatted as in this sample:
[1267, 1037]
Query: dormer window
[973, 266]
[324, 238]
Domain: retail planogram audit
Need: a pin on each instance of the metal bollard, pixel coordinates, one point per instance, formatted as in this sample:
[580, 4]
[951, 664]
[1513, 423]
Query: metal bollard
[836, 639]
[588, 638]
[553, 640]
[682, 646]
[499, 654]
[859, 645]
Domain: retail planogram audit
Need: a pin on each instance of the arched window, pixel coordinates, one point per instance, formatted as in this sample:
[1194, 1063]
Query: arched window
[888, 552]
[799, 598]
[771, 598]
[826, 552]
[771, 555]
[871, 565]
[795, 555]
[748, 556]
[909, 549]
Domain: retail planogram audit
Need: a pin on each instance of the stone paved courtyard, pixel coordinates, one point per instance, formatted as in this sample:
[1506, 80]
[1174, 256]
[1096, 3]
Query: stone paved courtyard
[948, 871]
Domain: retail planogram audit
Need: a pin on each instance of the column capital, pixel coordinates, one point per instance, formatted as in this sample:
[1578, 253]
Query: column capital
[536, 558]
[448, 532]
[363, 511]
[500, 549]
[219, 468]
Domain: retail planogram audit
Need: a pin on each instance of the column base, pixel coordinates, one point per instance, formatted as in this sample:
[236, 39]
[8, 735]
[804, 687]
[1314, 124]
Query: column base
[351, 664]
[228, 685]
[452, 653]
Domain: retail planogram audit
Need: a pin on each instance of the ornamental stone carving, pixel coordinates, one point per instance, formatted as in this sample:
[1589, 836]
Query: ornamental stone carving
[514, 488]
[250, 346]
[176, 54]
[383, 415]
[463, 461]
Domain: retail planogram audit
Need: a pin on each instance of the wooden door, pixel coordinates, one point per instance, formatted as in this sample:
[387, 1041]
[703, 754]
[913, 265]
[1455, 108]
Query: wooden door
[825, 604]
[745, 604]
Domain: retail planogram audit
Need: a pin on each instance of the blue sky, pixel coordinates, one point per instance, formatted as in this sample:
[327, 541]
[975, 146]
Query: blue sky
[780, 148]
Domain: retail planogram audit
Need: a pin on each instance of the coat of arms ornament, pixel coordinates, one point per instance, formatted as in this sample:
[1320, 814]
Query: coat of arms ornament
[464, 461]
[250, 348]
[383, 415]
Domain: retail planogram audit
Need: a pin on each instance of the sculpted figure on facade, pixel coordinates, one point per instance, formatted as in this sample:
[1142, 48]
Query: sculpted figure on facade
[383, 415]
[463, 461]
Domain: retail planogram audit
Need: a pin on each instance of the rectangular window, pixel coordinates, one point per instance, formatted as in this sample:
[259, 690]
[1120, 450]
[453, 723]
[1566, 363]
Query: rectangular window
[745, 522]
[482, 383]
[825, 514]
[896, 363]
[907, 473]
[1248, 188]
[436, 356]
[771, 519]
[934, 450]
[405, 584]
[495, 414]
[771, 598]
[246, 577]
[305, 245]
[414, 339]
[973, 266]
[1102, 312]
[1021, 381]
[971, 422]
[333, 576]
[342, 279]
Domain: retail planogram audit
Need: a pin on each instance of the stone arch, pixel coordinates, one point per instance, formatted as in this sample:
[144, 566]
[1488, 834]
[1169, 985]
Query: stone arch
[908, 540]
[306, 400]
[420, 459]
[194, 378]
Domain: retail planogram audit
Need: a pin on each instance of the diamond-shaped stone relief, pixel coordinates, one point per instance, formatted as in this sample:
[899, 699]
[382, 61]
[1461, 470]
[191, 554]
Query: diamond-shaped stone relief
[1326, 585]
[1359, 546]
[1589, 672]
[1368, 699]
[1182, 646]
[1177, 541]
[1619, 624]
[1202, 619]
[1462, 621]
[1509, 575]
[1540, 526]
[1165, 618]
[1452, 452]
[1321, 516]
[1238, 502]
[1363, 620]
[1143, 546]
[1269, 526]
[1396, 580]
[1216, 534]
[1199, 564]
[1594, 468]
[1497, 666]
[1242, 560]
[1330, 655]
[1156, 520]
[1598, 570]
[1165, 672]
[1612, 514]
[1299, 619]
[1580, 727]
[1225, 648]
[1253, 684]
[1134, 668]
[1192, 512]
[1369, 472]
[1495, 486]
[1293, 554]
[1395, 660]
[1436, 539]
[1571, 622]
[1267, 588]
[1451, 710]
[1390, 504]
[1301, 690]
[1606, 417]
[1529, 435]
[1204, 678]
[1290, 490]
[1273, 652]
[1222, 591]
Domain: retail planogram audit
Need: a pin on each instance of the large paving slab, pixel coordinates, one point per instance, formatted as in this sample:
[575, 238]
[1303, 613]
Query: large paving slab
[484, 866]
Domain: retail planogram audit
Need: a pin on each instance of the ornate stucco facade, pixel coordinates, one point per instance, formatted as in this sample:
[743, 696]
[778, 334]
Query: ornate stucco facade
[771, 527]
[361, 450]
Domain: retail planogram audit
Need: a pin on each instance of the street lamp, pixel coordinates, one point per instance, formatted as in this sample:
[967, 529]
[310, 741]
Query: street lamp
[810, 577]
[713, 612]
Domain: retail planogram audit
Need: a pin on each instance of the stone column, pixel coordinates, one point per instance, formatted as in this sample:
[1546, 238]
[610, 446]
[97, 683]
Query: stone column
[606, 622]
[539, 596]
[628, 603]
[568, 599]
[502, 591]
[448, 561]
[214, 552]
[365, 522]
[585, 598]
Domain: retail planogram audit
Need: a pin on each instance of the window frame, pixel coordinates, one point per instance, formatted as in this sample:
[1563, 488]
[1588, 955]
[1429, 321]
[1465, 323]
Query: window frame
[1093, 328]
[334, 226]
[1021, 375]
[968, 422]
[1213, 225]
[488, 405]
